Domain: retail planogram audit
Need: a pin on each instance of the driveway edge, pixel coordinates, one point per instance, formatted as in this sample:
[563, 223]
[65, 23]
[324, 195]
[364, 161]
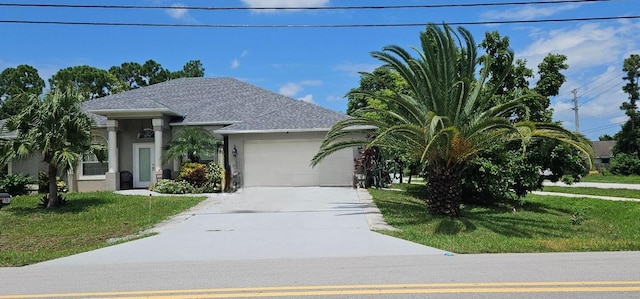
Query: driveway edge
[372, 213]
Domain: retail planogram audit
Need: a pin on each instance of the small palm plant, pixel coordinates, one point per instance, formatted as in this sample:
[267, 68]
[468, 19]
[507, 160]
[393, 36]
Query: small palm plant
[194, 142]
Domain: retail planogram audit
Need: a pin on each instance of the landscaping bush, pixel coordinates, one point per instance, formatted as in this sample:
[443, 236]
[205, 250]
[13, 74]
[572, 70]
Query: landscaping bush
[194, 174]
[625, 164]
[43, 183]
[214, 175]
[172, 187]
[15, 184]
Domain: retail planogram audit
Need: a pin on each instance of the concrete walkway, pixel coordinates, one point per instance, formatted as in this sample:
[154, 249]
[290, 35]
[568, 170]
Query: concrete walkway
[262, 223]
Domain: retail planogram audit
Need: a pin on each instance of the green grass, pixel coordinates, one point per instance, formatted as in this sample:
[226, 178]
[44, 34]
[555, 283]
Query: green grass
[629, 193]
[29, 234]
[538, 224]
[620, 179]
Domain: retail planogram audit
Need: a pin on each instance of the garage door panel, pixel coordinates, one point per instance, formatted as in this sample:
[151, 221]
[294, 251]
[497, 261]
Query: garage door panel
[287, 163]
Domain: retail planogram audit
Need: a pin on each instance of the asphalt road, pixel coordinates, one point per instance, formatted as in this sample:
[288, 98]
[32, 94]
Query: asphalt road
[586, 275]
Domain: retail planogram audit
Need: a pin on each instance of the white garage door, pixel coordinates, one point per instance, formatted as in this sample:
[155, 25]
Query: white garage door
[286, 163]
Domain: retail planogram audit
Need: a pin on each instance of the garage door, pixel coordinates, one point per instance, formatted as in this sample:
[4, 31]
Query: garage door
[286, 163]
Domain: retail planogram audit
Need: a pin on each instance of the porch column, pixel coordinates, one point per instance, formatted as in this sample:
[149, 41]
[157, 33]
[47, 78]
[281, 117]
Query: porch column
[112, 178]
[158, 124]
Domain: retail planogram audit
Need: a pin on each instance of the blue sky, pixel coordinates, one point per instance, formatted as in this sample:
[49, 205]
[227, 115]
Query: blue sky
[320, 65]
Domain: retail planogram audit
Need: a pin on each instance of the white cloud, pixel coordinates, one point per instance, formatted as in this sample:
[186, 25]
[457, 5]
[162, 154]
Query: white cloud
[335, 98]
[291, 89]
[235, 63]
[308, 98]
[527, 12]
[178, 13]
[588, 45]
[283, 3]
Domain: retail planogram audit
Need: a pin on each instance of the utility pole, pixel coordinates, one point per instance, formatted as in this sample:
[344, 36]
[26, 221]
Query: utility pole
[575, 109]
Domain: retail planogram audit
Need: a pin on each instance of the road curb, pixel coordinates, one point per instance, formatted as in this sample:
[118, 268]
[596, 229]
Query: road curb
[372, 213]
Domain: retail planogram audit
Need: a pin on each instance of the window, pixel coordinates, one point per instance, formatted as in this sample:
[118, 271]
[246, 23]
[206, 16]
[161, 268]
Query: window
[90, 166]
[213, 157]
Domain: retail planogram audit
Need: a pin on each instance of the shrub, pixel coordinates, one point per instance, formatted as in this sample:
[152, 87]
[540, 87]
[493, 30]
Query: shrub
[194, 174]
[15, 184]
[172, 187]
[625, 164]
[214, 176]
[43, 183]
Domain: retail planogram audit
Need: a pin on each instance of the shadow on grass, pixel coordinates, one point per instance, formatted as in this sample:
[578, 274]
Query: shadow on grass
[529, 220]
[73, 205]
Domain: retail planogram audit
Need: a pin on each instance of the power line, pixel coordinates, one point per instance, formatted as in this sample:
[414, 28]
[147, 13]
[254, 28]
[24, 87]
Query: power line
[600, 128]
[450, 5]
[309, 25]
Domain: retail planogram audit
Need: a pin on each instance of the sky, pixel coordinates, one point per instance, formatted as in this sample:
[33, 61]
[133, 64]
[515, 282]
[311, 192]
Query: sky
[320, 65]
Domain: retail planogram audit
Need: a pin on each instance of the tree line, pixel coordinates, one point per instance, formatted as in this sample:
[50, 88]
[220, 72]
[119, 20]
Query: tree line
[90, 82]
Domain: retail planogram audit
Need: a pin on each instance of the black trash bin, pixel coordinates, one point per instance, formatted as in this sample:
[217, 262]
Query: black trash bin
[126, 180]
[166, 174]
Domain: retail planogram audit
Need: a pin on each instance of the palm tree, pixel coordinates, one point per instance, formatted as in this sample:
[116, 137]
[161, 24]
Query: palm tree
[56, 127]
[442, 121]
[193, 142]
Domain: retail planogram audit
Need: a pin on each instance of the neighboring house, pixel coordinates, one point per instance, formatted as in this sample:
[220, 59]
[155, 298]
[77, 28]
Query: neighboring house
[269, 139]
[604, 152]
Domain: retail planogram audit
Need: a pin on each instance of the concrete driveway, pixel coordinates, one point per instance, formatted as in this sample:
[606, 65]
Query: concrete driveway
[260, 223]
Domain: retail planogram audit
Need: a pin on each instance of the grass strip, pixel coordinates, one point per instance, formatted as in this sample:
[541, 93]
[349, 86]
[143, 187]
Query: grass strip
[30, 234]
[620, 179]
[536, 224]
[628, 193]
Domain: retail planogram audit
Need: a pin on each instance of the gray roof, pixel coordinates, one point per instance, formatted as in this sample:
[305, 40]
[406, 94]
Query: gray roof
[603, 149]
[222, 101]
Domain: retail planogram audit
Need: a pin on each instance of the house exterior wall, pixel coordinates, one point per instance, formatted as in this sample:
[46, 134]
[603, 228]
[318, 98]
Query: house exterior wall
[30, 166]
[335, 170]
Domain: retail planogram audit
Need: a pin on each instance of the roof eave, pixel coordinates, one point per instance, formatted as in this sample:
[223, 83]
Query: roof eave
[129, 113]
[227, 132]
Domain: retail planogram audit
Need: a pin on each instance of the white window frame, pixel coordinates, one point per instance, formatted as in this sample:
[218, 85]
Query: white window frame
[82, 176]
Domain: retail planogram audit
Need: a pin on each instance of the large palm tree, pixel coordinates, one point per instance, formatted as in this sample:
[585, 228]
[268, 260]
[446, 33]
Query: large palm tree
[194, 142]
[56, 127]
[442, 121]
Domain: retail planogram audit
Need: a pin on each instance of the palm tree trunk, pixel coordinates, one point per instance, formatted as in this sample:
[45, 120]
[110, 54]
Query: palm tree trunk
[445, 188]
[54, 201]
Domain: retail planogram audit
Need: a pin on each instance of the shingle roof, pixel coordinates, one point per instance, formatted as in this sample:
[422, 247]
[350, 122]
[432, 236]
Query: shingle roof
[220, 100]
[297, 115]
[603, 149]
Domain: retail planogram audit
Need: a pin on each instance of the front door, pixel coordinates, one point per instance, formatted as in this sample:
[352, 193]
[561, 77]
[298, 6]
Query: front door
[143, 164]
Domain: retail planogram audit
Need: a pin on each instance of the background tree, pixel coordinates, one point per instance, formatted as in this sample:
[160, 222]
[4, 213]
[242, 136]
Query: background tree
[443, 121]
[57, 128]
[90, 82]
[15, 81]
[194, 142]
[191, 69]
[605, 137]
[503, 172]
[628, 139]
[130, 74]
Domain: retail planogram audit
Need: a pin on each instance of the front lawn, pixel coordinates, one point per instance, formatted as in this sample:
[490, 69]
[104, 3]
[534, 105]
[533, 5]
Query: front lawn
[620, 179]
[29, 234]
[538, 224]
[628, 193]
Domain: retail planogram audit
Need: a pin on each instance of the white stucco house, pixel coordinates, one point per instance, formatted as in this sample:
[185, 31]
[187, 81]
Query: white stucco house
[269, 139]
